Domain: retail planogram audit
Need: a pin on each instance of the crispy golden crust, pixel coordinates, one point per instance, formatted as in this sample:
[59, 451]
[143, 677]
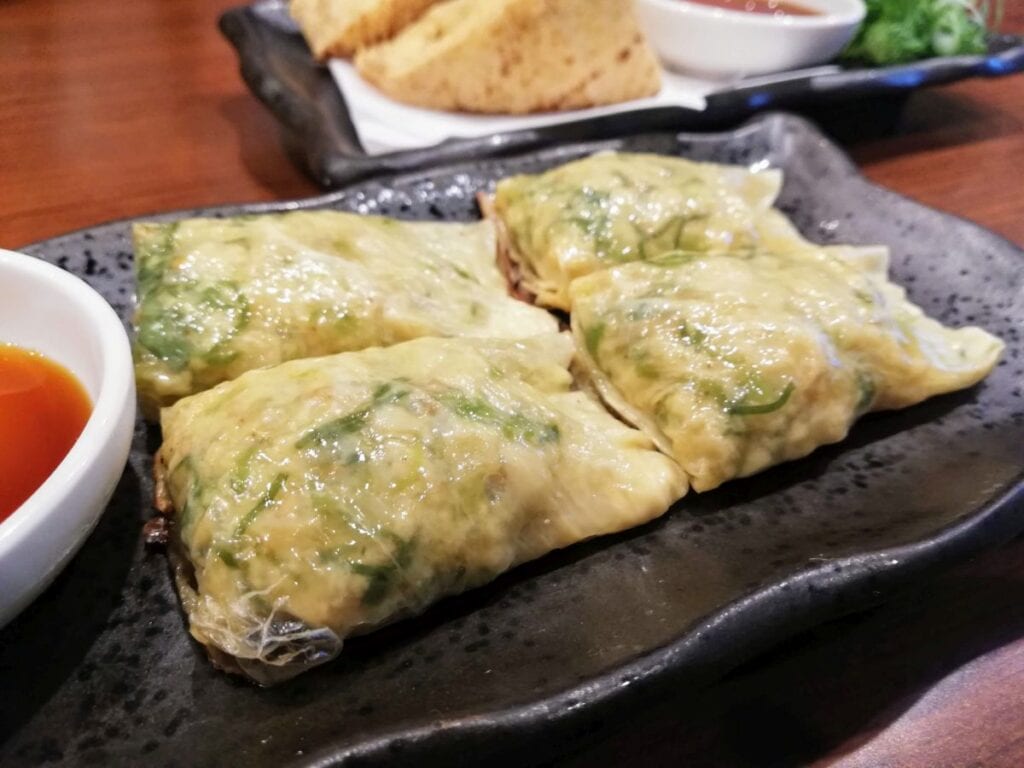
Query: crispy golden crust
[161, 497]
[342, 27]
[516, 57]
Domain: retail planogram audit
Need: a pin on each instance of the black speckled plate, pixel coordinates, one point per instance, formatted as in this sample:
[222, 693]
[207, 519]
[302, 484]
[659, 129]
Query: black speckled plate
[318, 131]
[100, 670]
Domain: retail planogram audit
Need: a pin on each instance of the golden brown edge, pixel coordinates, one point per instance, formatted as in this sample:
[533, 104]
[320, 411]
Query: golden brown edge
[591, 379]
[508, 259]
[182, 571]
[161, 530]
[185, 585]
[367, 31]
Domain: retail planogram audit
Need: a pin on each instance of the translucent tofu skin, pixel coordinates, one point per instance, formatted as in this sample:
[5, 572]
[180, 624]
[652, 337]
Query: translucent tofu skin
[613, 208]
[735, 362]
[324, 497]
[218, 297]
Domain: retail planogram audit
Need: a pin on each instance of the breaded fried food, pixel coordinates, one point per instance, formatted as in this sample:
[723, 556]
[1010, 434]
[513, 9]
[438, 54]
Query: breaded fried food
[342, 27]
[516, 57]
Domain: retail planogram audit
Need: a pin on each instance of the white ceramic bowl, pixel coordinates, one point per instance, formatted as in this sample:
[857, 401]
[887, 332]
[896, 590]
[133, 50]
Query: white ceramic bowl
[706, 40]
[48, 310]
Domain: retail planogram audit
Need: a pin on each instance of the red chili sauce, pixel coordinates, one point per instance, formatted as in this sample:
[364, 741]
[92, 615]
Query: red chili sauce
[770, 7]
[43, 410]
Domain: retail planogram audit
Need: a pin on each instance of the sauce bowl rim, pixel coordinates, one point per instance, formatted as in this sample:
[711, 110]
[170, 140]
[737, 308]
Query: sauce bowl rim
[115, 390]
[821, 20]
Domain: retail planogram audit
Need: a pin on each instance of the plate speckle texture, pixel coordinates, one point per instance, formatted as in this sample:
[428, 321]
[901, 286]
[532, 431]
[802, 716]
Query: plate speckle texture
[100, 670]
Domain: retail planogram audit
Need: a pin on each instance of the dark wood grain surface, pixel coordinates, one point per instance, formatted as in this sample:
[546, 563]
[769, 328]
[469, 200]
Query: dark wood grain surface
[112, 108]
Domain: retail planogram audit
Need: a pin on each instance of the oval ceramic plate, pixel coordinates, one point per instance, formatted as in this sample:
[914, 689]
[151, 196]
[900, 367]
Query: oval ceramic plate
[522, 669]
[320, 130]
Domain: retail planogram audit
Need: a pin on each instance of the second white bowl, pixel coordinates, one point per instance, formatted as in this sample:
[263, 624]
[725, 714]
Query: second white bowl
[706, 40]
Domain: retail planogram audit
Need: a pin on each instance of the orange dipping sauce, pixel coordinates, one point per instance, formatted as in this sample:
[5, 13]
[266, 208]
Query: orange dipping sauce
[43, 410]
[772, 7]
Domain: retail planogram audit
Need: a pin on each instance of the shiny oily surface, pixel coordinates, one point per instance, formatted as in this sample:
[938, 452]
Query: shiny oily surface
[324, 497]
[43, 409]
[614, 208]
[594, 626]
[219, 297]
[764, 7]
[735, 362]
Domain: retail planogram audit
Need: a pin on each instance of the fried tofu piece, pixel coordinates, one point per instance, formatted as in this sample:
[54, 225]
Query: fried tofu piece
[342, 27]
[516, 57]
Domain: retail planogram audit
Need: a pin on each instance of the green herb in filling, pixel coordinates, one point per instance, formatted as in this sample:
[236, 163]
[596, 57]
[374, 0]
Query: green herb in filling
[268, 497]
[391, 392]
[868, 390]
[592, 337]
[513, 426]
[175, 317]
[382, 578]
[691, 334]
[228, 557]
[153, 257]
[668, 238]
[465, 275]
[673, 258]
[183, 480]
[159, 336]
[241, 476]
[753, 409]
[328, 435]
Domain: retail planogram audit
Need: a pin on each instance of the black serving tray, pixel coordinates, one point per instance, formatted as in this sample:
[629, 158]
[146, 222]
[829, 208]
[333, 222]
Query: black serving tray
[321, 139]
[101, 671]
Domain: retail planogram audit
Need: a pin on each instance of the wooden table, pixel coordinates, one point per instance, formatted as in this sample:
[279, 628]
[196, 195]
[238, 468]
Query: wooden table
[112, 108]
